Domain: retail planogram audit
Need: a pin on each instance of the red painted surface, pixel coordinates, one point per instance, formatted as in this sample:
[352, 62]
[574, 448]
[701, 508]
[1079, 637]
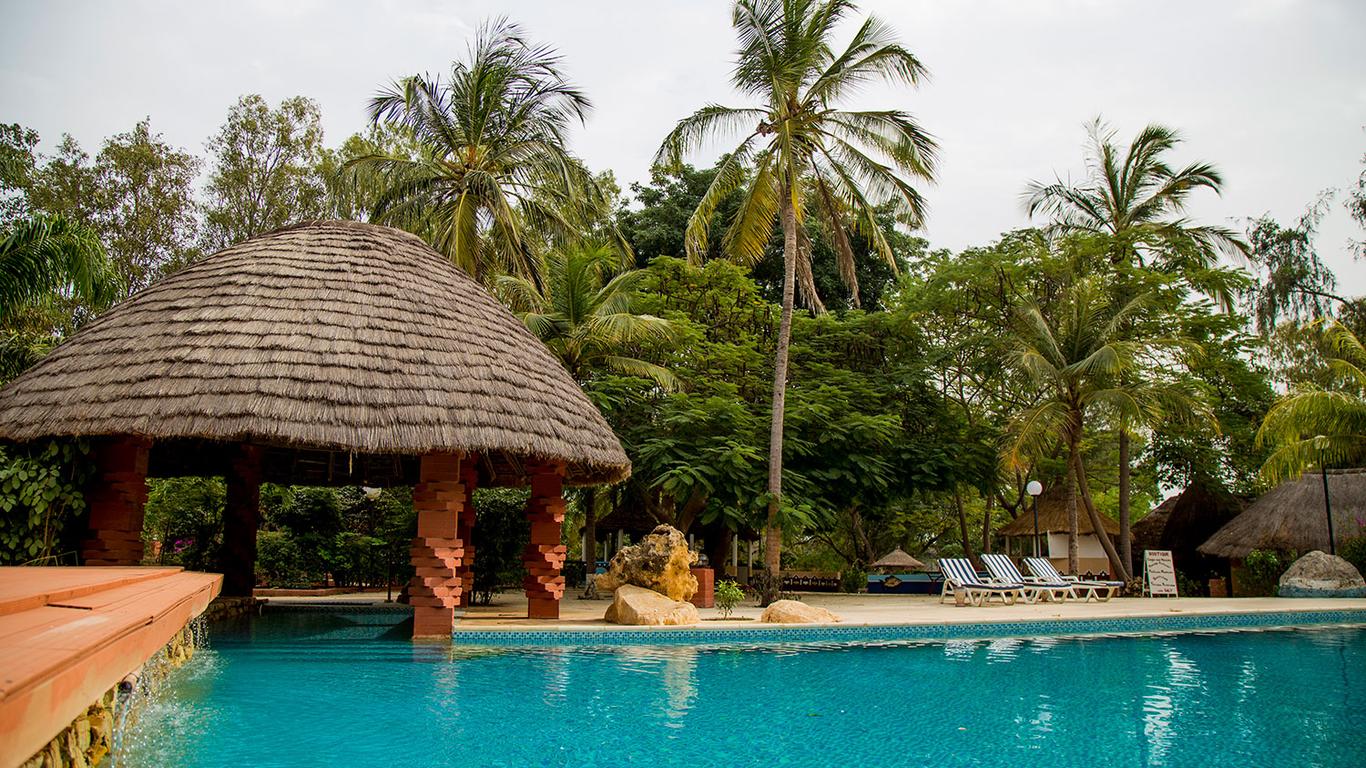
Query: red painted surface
[438, 552]
[544, 555]
[705, 597]
[67, 635]
[116, 498]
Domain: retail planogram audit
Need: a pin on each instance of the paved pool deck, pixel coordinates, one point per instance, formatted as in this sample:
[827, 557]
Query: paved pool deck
[508, 610]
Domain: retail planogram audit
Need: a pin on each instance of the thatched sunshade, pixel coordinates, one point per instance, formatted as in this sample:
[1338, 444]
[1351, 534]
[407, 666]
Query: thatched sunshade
[898, 560]
[337, 336]
[1053, 517]
[1292, 516]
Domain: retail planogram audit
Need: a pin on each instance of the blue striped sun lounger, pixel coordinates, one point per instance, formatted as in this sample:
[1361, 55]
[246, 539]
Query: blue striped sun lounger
[1004, 571]
[1101, 591]
[961, 579]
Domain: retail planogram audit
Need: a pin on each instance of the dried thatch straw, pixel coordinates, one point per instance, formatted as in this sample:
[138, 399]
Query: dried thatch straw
[1053, 517]
[335, 335]
[897, 559]
[1292, 517]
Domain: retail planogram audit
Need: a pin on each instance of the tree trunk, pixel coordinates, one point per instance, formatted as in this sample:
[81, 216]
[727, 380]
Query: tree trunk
[774, 545]
[1126, 552]
[590, 536]
[1072, 521]
[1096, 523]
[986, 522]
[963, 525]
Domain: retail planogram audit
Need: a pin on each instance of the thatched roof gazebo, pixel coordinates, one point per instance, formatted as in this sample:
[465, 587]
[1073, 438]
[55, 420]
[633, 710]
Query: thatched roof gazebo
[1292, 516]
[326, 353]
[1183, 522]
[1053, 530]
[898, 561]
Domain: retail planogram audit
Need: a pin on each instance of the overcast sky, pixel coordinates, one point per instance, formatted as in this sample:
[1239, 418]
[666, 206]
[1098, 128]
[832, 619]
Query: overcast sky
[1272, 91]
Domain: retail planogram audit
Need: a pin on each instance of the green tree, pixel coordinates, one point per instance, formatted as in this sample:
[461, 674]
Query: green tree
[582, 310]
[809, 159]
[1293, 283]
[266, 170]
[49, 255]
[1086, 365]
[1324, 424]
[494, 173]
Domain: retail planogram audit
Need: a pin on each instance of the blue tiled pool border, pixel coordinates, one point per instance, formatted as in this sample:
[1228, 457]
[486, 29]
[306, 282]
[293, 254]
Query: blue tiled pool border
[863, 633]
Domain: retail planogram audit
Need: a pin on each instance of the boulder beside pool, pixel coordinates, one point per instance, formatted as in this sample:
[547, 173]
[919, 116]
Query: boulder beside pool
[660, 561]
[638, 605]
[1319, 574]
[796, 612]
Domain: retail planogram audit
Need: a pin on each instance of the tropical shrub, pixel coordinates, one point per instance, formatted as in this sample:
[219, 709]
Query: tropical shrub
[728, 594]
[1353, 550]
[186, 515]
[277, 560]
[1262, 571]
[40, 493]
[500, 536]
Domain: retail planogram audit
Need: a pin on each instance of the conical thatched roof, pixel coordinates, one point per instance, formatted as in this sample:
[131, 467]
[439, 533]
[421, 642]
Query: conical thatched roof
[1292, 517]
[897, 559]
[333, 335]
[1053, 517]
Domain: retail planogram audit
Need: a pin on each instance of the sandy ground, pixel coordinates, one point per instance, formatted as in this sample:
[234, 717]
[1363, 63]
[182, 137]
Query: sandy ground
[508, 610]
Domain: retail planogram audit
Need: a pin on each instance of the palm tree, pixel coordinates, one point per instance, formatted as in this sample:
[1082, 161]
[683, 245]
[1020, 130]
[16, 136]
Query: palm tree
[1138, 201]
[1321, 425]
[44, 256]
[581, 310]
[493, 173]
[1085, 367]
[802, 157]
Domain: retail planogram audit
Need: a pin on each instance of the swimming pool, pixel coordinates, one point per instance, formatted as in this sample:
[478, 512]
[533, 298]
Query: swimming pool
[300, 689]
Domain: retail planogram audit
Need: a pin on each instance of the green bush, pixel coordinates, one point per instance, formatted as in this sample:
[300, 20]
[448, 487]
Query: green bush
[40, 496]
[500, 535]
[186, 515]
[1353, 550]
[277, 560]
[853, 580]
[727, 594]
[1262, 571]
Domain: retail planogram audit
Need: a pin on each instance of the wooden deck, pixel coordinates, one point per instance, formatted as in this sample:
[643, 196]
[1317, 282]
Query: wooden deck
[67, 635]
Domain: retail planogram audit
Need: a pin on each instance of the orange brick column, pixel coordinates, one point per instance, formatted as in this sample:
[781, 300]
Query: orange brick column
[437, 551]
[544, 555]
[241, 519]
[116, 498]
[464, 530]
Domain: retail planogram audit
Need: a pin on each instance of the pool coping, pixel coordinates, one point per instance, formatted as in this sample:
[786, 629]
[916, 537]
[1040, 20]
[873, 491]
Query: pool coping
[808, 633]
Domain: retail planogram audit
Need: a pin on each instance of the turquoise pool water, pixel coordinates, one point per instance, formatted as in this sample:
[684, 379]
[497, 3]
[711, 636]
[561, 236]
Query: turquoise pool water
[303, 690]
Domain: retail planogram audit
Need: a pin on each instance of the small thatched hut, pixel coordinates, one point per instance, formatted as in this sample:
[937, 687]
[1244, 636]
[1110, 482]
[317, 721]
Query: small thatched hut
[327, 353]
[1053, 529]
[897, 561]
[1182, 523]
[1292, 516]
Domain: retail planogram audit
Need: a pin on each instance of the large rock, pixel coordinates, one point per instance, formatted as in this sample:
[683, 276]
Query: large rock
[638, 605]
[659, 561]
[796, 612]
[1322, 575]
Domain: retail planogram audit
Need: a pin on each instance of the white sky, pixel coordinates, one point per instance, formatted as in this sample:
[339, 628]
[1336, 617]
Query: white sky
[1272, 91]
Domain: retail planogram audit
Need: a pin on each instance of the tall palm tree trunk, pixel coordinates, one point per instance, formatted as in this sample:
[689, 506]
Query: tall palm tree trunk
[1096, 524]
[1126, 553]
[774, 548]
[1073, 521]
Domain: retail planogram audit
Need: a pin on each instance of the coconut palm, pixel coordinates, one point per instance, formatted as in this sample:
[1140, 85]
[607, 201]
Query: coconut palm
[800, 157]
[1320, 426]
[1137, 200]
[45, 256]
[493, 174]
[582, 311]
[1086, 369]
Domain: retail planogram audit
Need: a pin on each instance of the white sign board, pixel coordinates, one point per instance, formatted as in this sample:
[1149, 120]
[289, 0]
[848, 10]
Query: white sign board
[1159, 574]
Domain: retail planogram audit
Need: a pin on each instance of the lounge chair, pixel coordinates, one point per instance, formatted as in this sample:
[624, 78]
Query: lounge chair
[1004, 571]
[961, 579]
[1102, 591]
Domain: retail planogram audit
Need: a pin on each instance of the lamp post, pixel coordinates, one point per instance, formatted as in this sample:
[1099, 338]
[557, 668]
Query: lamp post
[1319, 442]
[1034, 488]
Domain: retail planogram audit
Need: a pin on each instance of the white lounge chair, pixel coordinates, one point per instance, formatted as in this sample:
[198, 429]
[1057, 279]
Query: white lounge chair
[1102, 591]
[1004, 571]
[961, 579]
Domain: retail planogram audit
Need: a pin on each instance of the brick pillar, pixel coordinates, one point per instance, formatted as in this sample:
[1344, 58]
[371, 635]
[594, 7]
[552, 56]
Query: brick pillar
[544, 555]
[241, 519]
[116, 498]
[437, 551]
[464, 530]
